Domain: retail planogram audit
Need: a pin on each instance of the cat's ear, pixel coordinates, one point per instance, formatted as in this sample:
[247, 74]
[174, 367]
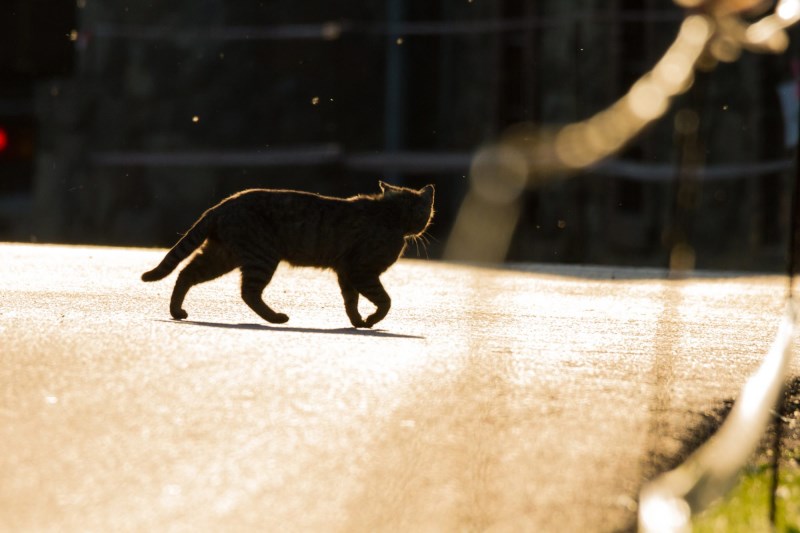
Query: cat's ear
[427, 192]
[387, 187]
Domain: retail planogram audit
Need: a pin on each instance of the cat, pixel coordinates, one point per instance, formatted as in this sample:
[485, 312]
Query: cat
[359, 238]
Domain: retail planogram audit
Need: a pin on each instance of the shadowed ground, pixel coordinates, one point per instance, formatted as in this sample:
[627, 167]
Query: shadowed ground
[532, 398]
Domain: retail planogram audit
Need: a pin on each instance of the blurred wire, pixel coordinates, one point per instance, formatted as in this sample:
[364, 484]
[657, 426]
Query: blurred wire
[667, 503]
[525, 156]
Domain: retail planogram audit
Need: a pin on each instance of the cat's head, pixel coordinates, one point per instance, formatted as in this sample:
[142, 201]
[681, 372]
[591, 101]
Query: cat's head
[417, 206]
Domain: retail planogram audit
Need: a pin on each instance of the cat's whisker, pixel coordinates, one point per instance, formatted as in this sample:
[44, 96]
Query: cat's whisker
[428, 238]
[421, 238]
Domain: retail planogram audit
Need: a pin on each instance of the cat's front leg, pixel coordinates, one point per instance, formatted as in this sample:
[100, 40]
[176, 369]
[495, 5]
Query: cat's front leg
[372, 289]
[350, 296]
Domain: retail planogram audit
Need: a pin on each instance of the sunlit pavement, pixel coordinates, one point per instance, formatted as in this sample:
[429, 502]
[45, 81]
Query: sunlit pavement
[488, 399]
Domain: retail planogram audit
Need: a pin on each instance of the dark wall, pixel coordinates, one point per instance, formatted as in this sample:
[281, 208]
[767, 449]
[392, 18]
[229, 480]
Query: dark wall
[171, 106]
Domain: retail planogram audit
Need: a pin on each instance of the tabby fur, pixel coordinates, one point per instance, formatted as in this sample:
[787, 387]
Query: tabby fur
[254, 230]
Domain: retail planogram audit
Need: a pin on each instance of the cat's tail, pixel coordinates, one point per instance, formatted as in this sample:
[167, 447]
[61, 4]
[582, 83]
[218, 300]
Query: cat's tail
[182, 249]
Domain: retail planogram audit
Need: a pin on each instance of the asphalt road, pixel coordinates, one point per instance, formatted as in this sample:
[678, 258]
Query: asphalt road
[531, 399]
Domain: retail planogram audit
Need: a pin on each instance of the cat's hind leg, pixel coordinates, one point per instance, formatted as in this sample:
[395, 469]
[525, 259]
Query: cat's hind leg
[211, 262]
[255, 277]
[350, 296]
[371, 288]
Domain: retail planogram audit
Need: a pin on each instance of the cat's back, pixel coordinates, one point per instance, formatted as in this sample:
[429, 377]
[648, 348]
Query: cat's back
[301, 224]
[257, 197]
[306, 229]
[282, 204]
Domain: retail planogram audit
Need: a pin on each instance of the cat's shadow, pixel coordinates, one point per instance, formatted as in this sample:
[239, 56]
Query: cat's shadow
[265, 327]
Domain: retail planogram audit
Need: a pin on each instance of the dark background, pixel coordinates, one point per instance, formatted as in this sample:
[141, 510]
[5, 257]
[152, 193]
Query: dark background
[125, 120]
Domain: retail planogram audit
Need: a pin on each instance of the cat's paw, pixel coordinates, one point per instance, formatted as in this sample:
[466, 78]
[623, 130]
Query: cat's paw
[178, 314]
[279, 318]
[371, 321]
[358, 323]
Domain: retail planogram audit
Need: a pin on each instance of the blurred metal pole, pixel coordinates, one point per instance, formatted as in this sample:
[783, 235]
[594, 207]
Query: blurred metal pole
[794, 222]
[776, 459]
[394, 101]
[791, 271]
[691, 152]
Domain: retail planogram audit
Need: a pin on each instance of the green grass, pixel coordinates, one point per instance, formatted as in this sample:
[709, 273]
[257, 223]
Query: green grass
[746, 507]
